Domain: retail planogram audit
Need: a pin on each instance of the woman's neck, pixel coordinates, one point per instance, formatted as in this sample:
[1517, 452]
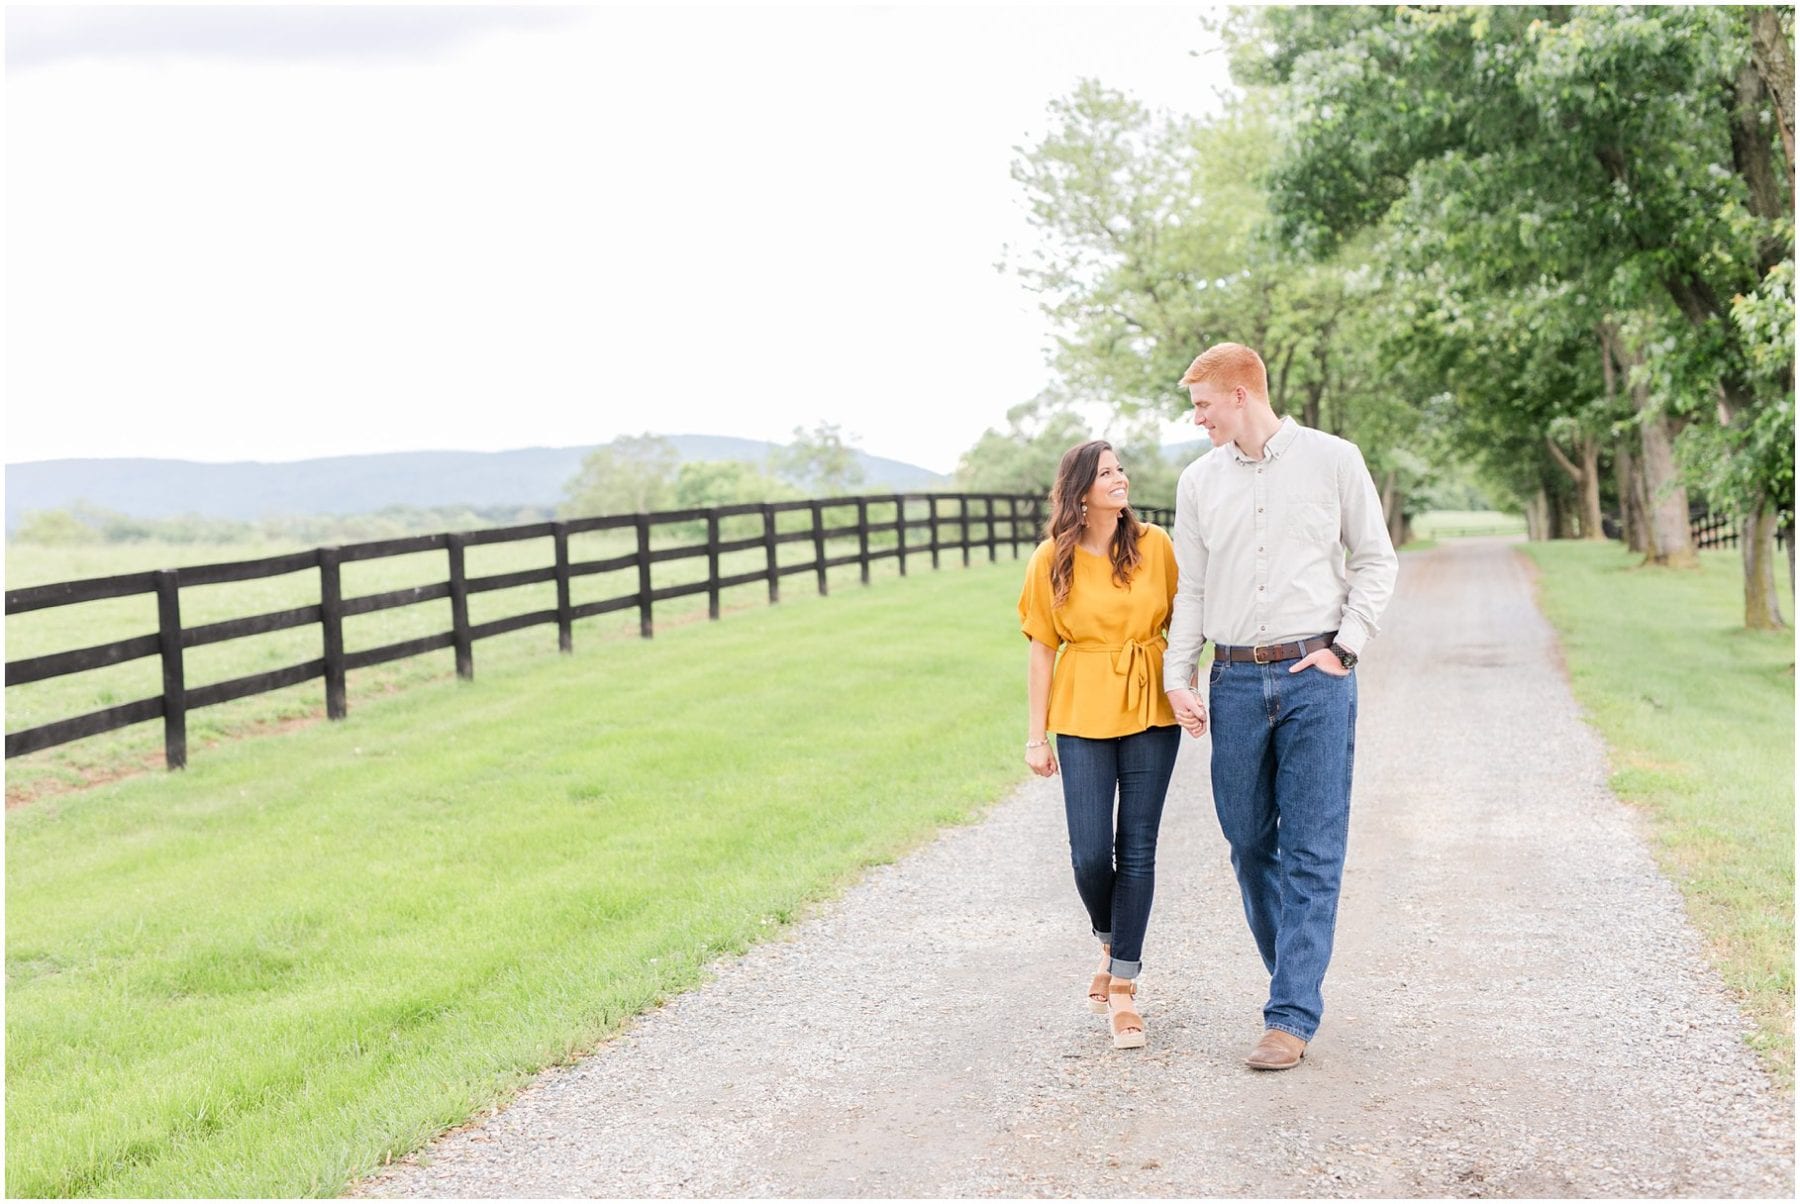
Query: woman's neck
[1097, 534]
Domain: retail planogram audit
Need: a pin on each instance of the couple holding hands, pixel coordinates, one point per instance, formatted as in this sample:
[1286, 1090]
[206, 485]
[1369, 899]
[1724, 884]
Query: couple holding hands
[1117, 613]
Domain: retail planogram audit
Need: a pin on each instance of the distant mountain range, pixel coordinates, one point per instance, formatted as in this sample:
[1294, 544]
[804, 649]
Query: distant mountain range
[250, 490]
[1186, 451]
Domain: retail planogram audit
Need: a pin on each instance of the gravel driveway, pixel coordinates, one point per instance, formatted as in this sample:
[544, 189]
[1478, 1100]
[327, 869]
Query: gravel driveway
[1516, 1006]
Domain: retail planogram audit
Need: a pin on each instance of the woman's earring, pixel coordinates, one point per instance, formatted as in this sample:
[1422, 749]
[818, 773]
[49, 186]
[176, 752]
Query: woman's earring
[1084, 514]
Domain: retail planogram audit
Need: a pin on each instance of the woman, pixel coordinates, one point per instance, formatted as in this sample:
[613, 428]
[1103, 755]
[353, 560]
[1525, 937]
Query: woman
[1099, 590]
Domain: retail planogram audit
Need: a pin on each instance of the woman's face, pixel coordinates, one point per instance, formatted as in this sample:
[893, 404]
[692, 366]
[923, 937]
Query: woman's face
[1110, 490]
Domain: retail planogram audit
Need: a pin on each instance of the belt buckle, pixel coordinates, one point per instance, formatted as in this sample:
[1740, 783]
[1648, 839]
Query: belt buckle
[1256, 654]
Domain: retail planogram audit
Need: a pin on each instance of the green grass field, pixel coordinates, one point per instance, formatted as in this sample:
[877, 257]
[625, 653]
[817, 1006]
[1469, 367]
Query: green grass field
[1698, 717]
[1450, 524]
[136, 748]
[262, 975]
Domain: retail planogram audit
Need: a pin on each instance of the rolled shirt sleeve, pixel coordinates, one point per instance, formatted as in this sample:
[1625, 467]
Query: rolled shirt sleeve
[1035, 600]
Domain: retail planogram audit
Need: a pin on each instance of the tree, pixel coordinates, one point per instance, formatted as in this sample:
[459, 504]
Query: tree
[1140, 234]
[1153, 246]
[634, 474]
[54, 528]
[1634, 155]
[819, 461]
[1023, 457]
[704, 483]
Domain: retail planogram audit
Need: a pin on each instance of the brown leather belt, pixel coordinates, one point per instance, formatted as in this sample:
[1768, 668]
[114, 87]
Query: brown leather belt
[1268, 654]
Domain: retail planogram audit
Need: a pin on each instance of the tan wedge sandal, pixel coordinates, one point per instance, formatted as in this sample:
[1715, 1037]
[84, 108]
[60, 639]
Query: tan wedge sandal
[1096, 992]
[1127, 1023]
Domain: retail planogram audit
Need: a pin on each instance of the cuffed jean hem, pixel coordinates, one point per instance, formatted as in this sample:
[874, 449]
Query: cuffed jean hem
[1105, 938]
[1125, 969]
[1289, 1030]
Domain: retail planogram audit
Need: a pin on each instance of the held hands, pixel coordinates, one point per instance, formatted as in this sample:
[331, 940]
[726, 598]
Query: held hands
[1325, 660]
[1041, 758]
[1190, 712]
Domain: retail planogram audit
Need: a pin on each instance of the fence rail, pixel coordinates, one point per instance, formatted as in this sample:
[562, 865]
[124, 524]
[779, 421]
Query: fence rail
[1710, 530]
[921, 525]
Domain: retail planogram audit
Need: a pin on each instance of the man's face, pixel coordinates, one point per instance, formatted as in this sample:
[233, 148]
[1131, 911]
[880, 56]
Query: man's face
[1219, 411]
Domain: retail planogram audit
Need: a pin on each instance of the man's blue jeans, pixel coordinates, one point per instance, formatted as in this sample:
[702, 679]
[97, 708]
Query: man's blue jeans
[1283, 744]
[1115, 866]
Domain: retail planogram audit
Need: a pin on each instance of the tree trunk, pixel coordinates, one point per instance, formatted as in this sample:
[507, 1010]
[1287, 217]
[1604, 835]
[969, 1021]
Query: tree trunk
[1623, 467]
[1586, 479]
[1640, 502]
[1631, 521]
[1315, 388]
[1537, 516]
[1281, 379]
[1591, 525]
[1562, 518]
[1660, 494]
[1774, 59]
[1754, 158]
[1390, 503]
[1669, 538]
[1787, 538]
[1762, 604]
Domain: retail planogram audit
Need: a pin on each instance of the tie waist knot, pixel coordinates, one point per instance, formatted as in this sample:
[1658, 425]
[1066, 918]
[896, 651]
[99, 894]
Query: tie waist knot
[1131, 660]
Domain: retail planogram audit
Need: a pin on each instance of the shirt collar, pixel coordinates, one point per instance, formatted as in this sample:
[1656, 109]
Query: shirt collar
[1279, 442]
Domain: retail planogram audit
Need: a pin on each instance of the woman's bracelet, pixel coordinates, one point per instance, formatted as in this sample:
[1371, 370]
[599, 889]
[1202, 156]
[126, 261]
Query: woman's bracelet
[1031, 744]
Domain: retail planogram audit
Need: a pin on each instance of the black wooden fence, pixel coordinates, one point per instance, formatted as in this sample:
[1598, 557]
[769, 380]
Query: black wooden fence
[1710, 530]
[921, 525]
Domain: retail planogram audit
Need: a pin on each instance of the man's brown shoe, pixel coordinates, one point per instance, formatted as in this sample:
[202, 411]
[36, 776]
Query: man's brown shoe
[1276, 1051]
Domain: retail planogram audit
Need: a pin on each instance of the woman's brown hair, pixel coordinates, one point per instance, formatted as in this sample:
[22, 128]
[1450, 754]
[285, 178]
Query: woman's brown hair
[1074, 477]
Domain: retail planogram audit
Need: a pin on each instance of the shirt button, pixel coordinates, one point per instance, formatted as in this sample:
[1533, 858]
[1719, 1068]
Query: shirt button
[1259, 509]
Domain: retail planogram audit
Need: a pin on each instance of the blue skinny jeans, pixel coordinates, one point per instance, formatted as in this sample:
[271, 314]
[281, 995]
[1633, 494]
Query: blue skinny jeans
[1115, 863]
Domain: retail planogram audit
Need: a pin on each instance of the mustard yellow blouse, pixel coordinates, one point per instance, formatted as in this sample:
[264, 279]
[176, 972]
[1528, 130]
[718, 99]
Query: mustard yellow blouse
[1108, 680]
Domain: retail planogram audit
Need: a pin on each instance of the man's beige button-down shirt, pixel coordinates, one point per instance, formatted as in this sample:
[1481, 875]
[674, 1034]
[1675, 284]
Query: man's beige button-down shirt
[1261, 546]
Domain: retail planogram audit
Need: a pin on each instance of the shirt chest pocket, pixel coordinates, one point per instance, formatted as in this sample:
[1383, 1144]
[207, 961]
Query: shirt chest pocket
[1313, 522]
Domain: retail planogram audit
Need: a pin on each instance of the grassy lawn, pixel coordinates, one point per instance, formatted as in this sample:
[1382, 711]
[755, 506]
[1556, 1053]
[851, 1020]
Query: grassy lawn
[1698, 717]
[307, 952]
[1449, 524]
[136, 748]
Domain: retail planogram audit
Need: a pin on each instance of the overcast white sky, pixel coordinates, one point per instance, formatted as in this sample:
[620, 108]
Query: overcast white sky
[274, 233]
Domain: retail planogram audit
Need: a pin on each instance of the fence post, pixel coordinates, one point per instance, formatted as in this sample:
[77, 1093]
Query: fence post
[712, 563]
[818, 534]
[565, 618]
[962, 506]
[459, 607]
[646, 623]
[768, 513]
[862, 535]
[1012, 523]
[900, 529]
[168, 621]
[933, 499]
[993, 543]
[331, 621]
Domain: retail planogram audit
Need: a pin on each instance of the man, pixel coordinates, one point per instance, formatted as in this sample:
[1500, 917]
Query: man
[1262, 526]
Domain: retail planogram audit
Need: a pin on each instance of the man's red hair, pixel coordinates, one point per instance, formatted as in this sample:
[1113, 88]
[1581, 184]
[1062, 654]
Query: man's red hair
[1229, 365]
